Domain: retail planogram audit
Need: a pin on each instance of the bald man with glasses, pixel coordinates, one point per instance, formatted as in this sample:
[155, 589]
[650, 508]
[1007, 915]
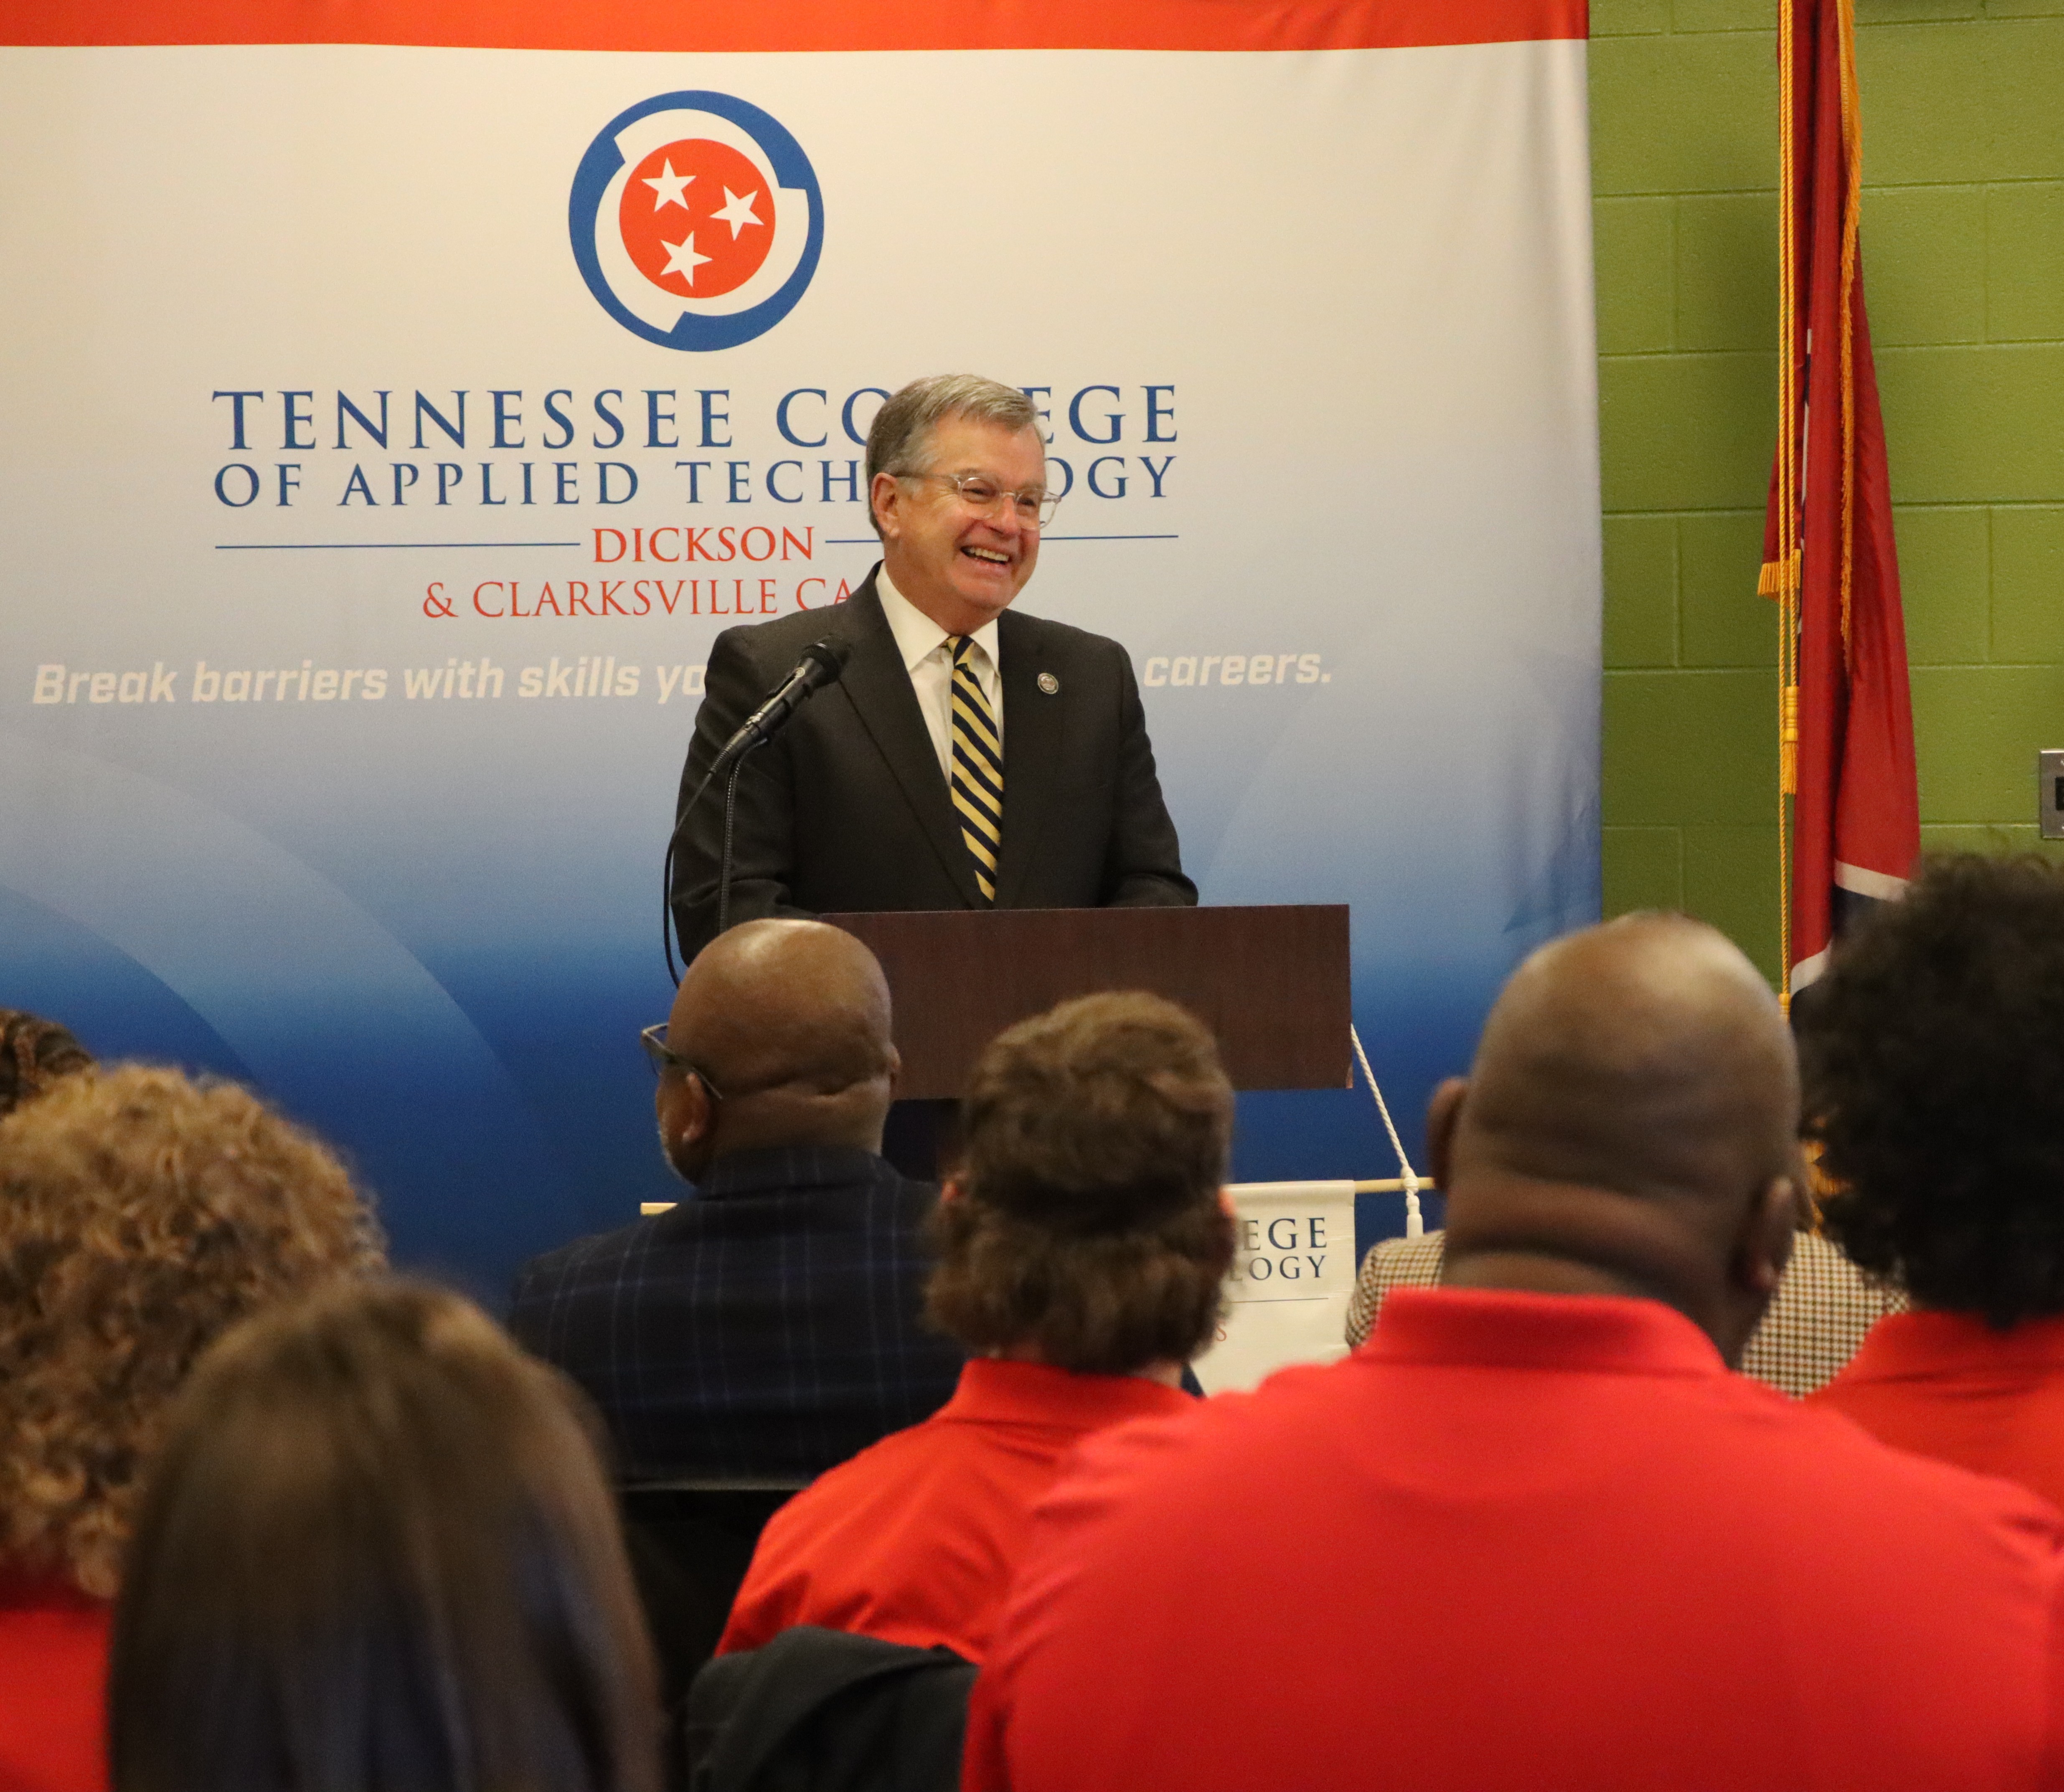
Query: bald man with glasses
[769, 1325]
[969, 756]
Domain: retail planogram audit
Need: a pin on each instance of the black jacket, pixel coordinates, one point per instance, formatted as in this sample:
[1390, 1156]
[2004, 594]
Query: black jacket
[847, 808]
[819, 1711]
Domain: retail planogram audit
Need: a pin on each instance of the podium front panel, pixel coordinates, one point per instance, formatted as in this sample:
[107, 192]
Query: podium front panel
[1272, 982]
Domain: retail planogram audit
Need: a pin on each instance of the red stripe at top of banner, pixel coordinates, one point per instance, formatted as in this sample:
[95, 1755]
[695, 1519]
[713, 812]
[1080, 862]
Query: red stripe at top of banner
[711, 25]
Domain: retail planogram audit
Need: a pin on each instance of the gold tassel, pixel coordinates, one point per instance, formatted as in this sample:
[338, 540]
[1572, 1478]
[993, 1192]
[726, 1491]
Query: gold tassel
[1777, 577]
[1787, 744]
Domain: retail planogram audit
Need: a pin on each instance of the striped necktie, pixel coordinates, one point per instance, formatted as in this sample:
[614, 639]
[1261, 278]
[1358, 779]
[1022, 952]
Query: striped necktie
[978, 773]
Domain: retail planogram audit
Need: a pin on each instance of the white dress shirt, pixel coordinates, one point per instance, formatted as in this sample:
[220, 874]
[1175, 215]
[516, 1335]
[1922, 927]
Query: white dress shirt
[929, 661]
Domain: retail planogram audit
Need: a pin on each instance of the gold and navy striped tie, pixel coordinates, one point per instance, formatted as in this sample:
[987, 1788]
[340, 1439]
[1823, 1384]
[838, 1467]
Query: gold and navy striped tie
[978, 775]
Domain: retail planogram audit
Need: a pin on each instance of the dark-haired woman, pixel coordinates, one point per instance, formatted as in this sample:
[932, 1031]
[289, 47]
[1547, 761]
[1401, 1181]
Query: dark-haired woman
[378, 1551]
[1934, 1067]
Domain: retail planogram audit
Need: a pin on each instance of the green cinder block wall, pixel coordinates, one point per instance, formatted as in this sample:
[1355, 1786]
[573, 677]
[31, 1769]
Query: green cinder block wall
[1963, 254]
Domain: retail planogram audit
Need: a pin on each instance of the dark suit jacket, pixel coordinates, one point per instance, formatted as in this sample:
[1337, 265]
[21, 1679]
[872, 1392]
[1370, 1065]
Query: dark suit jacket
[820, 1710]
[766, 1327]
[847, 808]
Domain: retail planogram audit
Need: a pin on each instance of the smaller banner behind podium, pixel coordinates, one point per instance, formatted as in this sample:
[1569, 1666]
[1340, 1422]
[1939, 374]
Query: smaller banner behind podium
[1293, 1272]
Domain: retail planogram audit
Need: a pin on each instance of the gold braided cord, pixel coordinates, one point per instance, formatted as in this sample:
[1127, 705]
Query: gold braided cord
[1786, 568]
[1852, 209]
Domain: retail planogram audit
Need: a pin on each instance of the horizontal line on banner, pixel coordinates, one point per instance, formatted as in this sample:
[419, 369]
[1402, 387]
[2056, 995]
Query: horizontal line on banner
[804, 25]
[1282, 1300]
[312, 547]
[868, 541]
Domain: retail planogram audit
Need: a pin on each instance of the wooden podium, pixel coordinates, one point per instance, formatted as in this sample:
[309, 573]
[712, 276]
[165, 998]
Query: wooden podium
[1270, 983]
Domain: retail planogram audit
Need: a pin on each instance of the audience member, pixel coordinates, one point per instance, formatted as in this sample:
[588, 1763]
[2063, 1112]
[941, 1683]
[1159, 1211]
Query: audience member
[1934, 1070]
[141, 1214]
[378, 1551]
[1534, 1533]
[1083, 1245]
[1813, 1325]
[33, 1053]
[769, 1326]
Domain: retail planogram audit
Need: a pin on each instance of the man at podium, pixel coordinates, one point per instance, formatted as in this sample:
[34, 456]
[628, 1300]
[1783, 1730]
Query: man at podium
[968, 756]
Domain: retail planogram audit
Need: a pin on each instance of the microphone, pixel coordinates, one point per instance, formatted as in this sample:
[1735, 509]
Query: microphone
[821, 664]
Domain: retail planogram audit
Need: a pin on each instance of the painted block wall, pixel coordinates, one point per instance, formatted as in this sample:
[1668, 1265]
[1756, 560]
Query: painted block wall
[1963, 251]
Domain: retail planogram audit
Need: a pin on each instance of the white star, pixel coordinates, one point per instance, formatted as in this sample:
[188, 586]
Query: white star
[738, 212]
[667, 186]
[682, 258]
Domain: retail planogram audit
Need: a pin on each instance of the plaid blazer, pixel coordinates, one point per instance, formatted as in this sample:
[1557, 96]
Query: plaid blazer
[1815, 1321]
[763, 1330]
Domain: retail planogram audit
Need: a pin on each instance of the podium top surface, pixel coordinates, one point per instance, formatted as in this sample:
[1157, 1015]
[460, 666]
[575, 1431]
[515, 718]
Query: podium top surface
[1272, 982]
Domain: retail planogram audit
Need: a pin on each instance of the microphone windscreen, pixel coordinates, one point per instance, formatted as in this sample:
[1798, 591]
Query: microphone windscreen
[830, 654]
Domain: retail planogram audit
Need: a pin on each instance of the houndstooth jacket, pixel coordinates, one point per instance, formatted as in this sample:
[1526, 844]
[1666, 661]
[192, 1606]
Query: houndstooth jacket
[1817, 1318]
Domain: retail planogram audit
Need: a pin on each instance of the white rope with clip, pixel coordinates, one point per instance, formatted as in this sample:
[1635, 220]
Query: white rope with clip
[1415, 1226]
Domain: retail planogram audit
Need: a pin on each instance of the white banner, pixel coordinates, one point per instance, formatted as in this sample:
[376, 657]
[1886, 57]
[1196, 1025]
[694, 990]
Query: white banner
[1293, 1273]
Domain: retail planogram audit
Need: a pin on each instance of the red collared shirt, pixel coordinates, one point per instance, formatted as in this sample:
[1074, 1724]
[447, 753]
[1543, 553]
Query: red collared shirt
[1947, 1385]
[1523, 1542]
[52, 1671]
[915, 1539]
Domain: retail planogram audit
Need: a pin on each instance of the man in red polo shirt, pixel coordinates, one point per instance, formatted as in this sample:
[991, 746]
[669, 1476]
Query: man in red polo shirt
[1536, 1534]
[1083, 1247]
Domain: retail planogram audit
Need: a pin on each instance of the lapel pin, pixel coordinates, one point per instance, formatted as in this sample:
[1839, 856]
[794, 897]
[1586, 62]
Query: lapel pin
[1048, 683]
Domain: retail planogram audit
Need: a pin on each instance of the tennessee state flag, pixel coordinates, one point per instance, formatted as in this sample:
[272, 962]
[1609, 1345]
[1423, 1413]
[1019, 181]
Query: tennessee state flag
[1846, 716]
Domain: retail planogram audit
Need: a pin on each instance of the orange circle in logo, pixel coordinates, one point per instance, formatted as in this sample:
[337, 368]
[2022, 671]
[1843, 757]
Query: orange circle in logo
[697, 217]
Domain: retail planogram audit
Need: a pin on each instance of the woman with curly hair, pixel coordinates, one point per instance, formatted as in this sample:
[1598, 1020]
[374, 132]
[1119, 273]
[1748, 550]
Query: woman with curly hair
[1933, 1068]
[1082, 1249]
[378, 1550]
[141, 1215]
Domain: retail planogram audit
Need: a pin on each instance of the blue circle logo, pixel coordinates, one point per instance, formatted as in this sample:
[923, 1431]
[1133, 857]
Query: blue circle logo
[697, 220]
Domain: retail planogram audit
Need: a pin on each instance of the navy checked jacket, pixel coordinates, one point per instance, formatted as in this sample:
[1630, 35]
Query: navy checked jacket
[766, 1327]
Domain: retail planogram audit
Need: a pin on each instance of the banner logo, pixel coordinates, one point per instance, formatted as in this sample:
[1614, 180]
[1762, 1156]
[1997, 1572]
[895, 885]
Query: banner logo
[697, 220]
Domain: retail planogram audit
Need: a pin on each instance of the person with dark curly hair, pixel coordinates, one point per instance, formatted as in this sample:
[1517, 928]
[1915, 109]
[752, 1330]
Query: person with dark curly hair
[1934, 1079]
[1083, 1245]
[378, 1550]
[35, 1052]
[142, 1214]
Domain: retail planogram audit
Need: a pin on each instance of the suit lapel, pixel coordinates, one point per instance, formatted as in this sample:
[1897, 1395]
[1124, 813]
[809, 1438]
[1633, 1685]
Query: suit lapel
[877, 686]
[1032, 732]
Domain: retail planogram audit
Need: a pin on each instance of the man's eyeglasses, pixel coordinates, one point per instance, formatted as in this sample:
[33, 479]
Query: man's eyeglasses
[984, 496]
[664, 1058]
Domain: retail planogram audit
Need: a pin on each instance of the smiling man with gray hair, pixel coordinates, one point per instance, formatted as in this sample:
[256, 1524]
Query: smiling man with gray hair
[969, 756]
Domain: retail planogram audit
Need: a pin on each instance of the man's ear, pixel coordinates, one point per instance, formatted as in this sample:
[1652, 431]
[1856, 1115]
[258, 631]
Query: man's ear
[950, 1190]
[1227, 1206]
[685, 1110]
[1443, 1113]
[1768, 1230]
[884, 497]
[895, 1071]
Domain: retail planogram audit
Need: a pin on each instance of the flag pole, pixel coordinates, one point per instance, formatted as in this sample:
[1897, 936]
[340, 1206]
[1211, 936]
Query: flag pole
[1780, 577]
